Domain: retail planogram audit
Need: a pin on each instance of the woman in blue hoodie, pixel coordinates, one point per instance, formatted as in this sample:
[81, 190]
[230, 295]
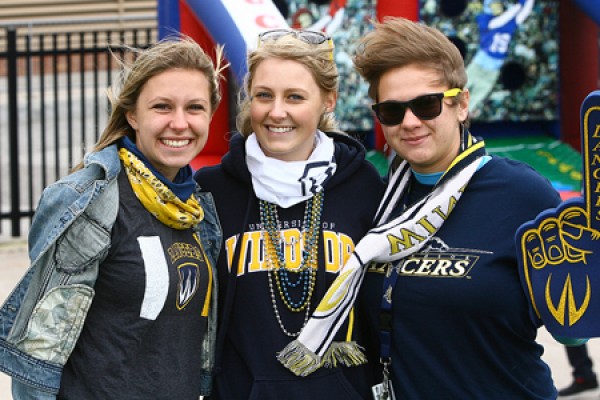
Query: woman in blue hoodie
[293, 197]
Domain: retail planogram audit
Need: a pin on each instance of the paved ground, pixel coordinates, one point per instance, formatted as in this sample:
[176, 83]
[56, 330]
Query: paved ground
[14, 261]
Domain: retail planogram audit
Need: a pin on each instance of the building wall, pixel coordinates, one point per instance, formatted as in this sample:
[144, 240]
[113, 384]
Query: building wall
[76, 15]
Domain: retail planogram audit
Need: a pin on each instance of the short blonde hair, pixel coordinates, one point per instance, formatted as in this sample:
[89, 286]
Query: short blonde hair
[398, 42]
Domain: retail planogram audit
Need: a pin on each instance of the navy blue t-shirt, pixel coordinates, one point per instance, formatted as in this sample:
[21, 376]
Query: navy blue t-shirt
[462, 326]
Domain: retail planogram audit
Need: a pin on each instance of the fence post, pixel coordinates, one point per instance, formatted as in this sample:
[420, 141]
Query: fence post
[13, 131]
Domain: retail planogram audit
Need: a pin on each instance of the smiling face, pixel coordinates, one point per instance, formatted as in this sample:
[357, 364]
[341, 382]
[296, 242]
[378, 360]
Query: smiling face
[171, 119]
[286, 107]
[428, 146]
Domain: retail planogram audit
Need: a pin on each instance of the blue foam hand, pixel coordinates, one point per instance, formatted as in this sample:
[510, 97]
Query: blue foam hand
[559, 251]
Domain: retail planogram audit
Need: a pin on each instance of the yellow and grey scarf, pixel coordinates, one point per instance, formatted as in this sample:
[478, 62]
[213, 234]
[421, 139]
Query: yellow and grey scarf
[157, 198]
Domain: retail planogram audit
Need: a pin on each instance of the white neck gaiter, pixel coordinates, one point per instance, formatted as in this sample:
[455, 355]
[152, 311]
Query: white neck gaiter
[286, 183]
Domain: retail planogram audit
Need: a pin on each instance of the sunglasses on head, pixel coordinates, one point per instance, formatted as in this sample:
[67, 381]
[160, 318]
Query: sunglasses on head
[310, 37]
[425, 107]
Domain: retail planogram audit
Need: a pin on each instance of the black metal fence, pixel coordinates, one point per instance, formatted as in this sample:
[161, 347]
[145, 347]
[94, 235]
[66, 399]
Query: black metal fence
[53, 107]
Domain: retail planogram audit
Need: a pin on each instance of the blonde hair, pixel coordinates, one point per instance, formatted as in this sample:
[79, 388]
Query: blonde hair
[317, 58]
[169, 53]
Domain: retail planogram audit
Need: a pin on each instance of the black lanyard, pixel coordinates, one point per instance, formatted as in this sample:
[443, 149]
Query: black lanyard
[385, 319]
[385, 327]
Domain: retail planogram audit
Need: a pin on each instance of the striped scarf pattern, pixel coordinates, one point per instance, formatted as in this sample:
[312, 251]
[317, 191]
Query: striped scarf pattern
[387, 242]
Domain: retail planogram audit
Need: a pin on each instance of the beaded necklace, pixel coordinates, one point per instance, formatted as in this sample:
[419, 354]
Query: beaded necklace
[279, 275]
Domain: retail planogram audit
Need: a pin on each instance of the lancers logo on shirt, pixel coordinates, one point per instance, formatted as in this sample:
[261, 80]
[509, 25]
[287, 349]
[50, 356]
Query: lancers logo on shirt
[437, 259]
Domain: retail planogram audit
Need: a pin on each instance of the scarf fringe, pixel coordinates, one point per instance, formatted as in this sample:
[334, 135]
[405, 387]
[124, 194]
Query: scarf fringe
[302, 362]
[299, 359]
[348, 354]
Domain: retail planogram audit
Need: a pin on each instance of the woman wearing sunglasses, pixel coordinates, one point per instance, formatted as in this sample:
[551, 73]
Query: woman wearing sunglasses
[293, 196]
[447, 312]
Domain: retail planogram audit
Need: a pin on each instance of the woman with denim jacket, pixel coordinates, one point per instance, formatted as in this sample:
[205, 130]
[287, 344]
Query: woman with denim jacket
[120, 300]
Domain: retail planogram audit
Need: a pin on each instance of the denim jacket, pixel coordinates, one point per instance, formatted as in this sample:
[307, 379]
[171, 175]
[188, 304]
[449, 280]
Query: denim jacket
[42, 318]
